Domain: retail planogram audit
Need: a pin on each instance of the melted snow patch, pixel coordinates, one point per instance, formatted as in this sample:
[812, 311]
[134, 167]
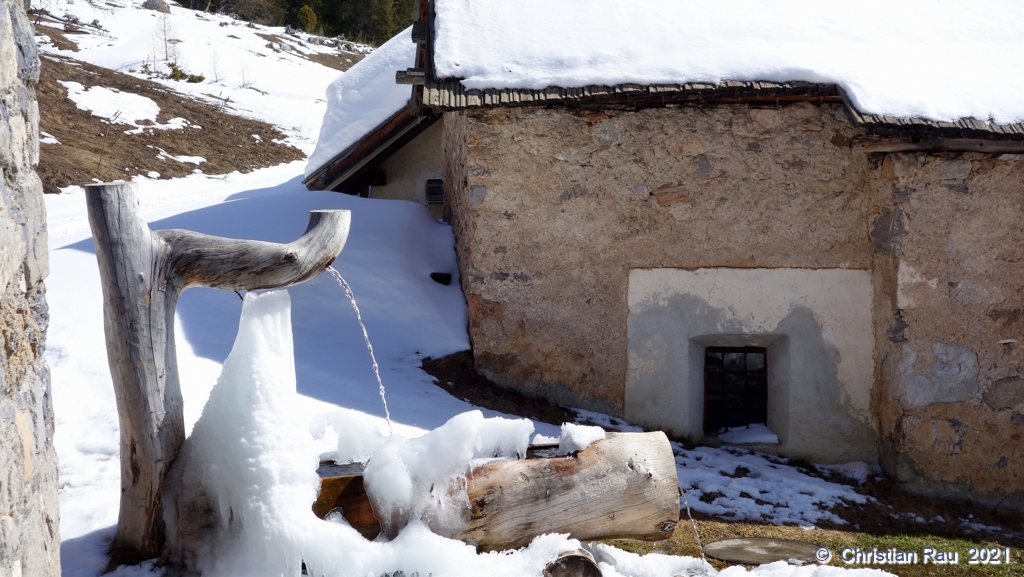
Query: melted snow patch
[112, 104]
[749, 435]
[118, 107]
[752, 486]
[164, 155]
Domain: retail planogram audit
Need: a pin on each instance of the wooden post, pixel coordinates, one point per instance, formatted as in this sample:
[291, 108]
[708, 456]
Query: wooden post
[143, 272]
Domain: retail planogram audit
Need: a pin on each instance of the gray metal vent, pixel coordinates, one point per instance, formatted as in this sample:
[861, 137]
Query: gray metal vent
[435, 191]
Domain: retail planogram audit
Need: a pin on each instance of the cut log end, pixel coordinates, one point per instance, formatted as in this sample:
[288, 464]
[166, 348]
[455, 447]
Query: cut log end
[578, 563]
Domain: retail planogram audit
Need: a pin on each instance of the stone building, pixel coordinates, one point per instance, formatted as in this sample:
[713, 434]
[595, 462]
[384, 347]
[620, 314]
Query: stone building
[29, 535]
[697, 257]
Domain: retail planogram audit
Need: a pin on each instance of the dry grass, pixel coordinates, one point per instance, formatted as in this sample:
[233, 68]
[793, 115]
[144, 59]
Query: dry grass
[339, 60]
[93, 149]
[684, 543]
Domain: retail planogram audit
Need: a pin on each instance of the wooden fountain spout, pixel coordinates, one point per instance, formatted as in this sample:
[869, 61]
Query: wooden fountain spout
[143, 272]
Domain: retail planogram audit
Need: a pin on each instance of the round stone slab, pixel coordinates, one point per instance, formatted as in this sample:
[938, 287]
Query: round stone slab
[761, 550]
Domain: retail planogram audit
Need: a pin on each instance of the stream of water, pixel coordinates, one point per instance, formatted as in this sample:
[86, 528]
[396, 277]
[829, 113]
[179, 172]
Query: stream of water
[366, 337]
[694, 524]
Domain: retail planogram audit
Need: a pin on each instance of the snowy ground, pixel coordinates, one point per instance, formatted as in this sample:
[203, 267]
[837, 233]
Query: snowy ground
[391, 251]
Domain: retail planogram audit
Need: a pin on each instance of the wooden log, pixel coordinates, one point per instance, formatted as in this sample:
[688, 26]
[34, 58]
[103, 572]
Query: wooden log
[142, 274]
[578, 563]
[623, 487]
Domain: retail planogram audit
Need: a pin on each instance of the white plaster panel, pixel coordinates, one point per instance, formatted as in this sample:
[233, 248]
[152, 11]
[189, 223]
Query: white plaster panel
[721, 301]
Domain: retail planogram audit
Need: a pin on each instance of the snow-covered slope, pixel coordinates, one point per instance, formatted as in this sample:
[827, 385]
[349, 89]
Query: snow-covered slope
[257, 71]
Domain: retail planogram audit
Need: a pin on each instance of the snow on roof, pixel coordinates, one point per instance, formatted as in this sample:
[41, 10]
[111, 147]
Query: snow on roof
[363, 98]
[933, 59]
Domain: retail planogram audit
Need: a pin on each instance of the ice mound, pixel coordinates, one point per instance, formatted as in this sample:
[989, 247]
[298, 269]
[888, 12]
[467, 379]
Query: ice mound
[358, 436]
[424, 478]
[578, 437]
[238, 499]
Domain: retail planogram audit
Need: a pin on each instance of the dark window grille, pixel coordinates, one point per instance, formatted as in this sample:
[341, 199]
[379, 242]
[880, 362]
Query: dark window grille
[735, 387]
[435, 191]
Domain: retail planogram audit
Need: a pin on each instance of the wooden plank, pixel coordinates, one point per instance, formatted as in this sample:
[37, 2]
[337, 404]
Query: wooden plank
[872, 143]
[410, 76]
[419, 32]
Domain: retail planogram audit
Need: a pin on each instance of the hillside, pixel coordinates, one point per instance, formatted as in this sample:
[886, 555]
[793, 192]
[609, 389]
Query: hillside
[111, 110]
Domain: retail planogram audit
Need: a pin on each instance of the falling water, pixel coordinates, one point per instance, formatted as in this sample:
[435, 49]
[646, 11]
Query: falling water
[694, 524]
[366, 337]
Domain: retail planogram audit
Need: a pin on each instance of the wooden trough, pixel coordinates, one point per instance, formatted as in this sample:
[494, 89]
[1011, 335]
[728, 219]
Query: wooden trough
[622, 487]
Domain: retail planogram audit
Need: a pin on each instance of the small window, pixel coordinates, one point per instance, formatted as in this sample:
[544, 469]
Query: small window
[735, 387]
[435, 191]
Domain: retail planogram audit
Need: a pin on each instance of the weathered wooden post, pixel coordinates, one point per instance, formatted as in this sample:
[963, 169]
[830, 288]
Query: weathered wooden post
[142, 273]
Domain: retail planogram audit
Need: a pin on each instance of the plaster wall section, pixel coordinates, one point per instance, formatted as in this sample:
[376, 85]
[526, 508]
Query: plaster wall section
[555, 207]
[950, 258]
[29, 536]
[408, 169]
[815, 323]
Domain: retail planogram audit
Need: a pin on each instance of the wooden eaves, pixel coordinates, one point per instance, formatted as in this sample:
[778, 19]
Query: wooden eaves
[349, 167]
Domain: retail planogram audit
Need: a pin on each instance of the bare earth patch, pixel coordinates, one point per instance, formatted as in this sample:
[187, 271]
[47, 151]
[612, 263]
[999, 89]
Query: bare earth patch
[341, 60]
[92, 149]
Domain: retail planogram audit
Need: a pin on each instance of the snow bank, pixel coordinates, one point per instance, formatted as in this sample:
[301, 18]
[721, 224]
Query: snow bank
[783, 569]
[363, 98]
[424, 478]
[749, 435]
[618, 563]
[916, 58]
[578, 437]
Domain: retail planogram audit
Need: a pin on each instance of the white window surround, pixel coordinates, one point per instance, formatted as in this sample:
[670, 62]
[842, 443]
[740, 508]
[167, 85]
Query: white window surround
[815, 323]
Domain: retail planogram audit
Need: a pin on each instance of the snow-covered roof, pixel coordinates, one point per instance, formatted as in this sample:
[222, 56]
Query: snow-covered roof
[931, 59]
[363, 98]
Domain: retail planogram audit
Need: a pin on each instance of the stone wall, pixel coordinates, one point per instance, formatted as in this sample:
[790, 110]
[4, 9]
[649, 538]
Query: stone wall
[554, 208]
[29, 535]
[558, 207]
[950, 257]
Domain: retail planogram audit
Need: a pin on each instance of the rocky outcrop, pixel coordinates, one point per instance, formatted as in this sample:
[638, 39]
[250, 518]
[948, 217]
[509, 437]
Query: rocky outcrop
[29, 536]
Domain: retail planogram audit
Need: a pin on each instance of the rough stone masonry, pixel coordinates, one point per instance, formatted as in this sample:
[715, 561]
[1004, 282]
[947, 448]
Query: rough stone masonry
[602, 250]
[29, 536]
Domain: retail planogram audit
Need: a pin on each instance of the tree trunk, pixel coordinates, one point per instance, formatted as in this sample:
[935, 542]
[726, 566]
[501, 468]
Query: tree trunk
[623, 487]
[142, 273]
